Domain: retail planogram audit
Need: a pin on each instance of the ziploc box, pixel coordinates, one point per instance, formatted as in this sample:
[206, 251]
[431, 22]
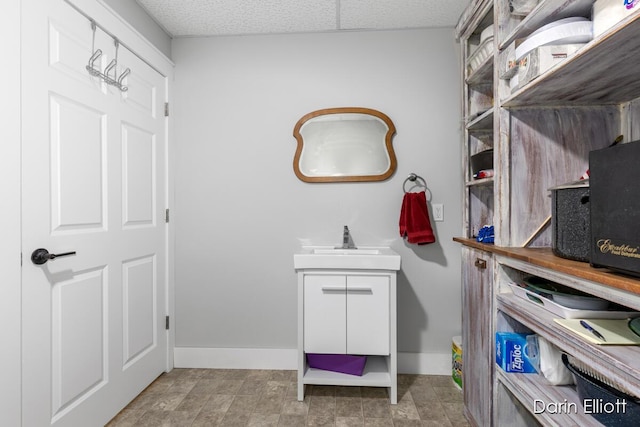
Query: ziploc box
[511, 353]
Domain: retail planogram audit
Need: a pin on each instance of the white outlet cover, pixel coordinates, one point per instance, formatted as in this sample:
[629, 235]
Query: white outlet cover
[438, 212]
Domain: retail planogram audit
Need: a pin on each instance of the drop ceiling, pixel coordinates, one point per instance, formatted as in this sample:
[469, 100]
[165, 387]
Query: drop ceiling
[193, 18]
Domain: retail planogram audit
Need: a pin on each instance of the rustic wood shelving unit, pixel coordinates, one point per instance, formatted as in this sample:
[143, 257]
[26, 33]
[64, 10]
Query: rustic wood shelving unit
[541, 134]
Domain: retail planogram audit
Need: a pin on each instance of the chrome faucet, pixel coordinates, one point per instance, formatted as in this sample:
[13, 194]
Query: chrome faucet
[347, 242]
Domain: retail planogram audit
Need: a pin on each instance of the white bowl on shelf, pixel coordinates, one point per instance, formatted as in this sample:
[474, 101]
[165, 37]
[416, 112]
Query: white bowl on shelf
[564, 31]
[486, 33]
[480, 55]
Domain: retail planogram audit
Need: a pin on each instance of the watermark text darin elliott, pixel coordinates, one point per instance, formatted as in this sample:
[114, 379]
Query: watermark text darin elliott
[590, 406]
[598, 406]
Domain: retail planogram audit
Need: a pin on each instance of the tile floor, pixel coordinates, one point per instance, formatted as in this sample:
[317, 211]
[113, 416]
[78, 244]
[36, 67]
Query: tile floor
[220, 397]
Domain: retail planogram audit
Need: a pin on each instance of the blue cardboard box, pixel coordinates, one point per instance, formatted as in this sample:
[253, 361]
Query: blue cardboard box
[511, 353]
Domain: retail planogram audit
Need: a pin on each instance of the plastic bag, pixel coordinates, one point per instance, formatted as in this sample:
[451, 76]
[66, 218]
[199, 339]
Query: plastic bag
[548, 361]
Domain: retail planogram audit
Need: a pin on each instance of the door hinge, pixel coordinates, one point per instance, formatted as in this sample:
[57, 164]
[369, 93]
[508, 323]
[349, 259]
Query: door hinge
[166, 109]
[166, 323]
[166, 215]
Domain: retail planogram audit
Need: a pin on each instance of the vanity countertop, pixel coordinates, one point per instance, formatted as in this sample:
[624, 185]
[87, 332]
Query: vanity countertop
[362, 258]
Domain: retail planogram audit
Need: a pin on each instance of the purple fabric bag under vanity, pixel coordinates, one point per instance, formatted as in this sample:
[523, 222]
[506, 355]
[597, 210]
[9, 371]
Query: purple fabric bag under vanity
[343, 363]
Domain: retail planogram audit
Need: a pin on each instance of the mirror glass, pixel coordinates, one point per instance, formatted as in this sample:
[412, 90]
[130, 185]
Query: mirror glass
[344, 144]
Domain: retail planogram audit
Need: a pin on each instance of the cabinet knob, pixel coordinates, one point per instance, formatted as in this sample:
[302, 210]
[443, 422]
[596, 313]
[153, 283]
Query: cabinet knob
[480, 263]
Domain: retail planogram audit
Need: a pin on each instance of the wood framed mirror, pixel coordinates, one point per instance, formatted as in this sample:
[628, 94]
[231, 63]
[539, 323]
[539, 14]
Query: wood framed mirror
[344, 144]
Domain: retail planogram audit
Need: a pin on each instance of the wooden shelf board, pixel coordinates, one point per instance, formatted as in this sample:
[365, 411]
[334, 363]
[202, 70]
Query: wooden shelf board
[598, 74]
[484, 122]
[376, 374]
[480, 182]
[529, 387]
[483, 74]
[476, 15]
[619, 363]
[544, 257]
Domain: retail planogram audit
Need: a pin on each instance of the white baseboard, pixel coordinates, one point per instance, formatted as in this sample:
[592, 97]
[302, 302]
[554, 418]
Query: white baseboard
[424, 363]
[235, 358]
[287, 359]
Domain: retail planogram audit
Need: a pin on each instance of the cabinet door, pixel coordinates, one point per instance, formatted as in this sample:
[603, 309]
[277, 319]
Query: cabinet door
[368, 315]
[477, 336]
[325, 314]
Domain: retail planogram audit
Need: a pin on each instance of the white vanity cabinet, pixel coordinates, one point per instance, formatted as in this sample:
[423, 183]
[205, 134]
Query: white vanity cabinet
[348, 312]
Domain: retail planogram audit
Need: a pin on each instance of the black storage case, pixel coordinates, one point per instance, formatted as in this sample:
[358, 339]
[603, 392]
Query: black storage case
[570, 220]
[615, 207]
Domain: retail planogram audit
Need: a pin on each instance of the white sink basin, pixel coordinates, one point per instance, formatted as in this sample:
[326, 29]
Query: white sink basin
[340, 251]
[363, 258]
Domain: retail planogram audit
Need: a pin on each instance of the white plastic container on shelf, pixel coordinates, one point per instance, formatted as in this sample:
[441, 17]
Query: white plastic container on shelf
[607, 13]
[566, 312]
[542, 58]
[486, 33]
[507, 62]
[480, 55]
[564, 31]
[514, 83]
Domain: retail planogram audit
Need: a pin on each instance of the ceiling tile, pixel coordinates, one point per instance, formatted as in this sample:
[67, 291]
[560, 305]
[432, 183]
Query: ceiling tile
[388, 14]
[219, 17]
[224, 17]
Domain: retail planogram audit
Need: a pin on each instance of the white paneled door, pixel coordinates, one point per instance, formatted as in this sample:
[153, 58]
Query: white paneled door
[94, 184]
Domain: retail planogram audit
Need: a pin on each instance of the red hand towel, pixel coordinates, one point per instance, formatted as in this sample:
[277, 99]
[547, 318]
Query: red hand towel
[414, 219]
[403, 215]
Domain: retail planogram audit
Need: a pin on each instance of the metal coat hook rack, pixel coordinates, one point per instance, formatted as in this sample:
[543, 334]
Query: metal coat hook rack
[105, 75]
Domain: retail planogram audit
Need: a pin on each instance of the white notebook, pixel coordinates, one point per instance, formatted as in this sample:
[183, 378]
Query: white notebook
[615, 331]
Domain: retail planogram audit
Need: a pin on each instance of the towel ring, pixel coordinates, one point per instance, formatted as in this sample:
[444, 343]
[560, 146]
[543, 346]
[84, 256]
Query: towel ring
[413, 177]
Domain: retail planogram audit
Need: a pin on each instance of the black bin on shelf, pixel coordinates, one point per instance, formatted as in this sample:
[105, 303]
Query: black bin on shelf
[570, 225]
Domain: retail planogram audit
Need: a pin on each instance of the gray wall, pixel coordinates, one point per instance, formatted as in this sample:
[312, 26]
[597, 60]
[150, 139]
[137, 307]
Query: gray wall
[137, 17]
[240, 211]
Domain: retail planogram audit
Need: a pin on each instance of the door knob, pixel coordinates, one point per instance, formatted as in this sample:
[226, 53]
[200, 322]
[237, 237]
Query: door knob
[40, 256]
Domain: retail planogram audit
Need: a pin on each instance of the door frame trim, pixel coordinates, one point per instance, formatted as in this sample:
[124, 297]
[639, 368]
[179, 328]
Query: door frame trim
[10, 169]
